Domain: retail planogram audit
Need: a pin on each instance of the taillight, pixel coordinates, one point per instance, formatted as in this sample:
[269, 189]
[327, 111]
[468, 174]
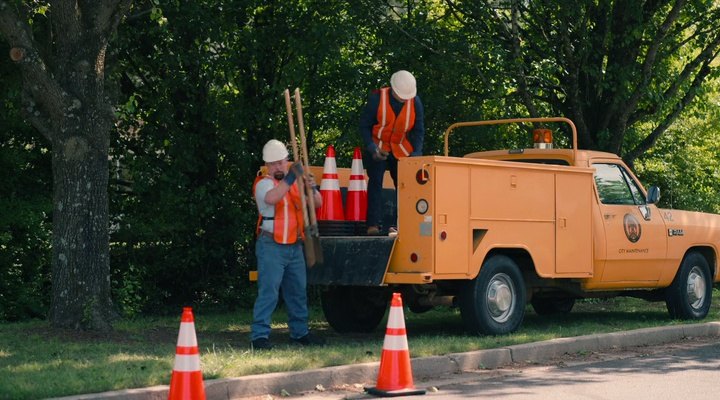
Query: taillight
[422, 176]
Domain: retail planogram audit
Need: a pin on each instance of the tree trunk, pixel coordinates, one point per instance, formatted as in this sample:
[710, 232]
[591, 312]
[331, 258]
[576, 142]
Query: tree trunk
[64, 95]
[81, 268]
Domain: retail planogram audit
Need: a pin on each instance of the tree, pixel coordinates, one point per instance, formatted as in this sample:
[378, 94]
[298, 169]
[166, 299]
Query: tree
[609, 65]
[60, 49]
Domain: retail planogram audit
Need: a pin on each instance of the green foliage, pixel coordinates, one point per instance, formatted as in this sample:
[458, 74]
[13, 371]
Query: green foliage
[685, 163]
[204, 98]
[25, 206]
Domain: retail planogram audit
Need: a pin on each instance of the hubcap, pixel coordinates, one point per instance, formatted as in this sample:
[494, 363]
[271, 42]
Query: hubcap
[500, 297]
[696, 288]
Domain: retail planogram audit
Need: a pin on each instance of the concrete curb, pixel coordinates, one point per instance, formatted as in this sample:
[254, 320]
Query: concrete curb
[426, 367]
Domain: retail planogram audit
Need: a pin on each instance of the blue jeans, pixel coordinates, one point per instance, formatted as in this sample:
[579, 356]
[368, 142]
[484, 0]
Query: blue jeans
[376, 173]
[280, 266]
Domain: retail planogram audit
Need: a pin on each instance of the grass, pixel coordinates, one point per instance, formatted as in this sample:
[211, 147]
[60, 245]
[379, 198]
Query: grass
[39, 362]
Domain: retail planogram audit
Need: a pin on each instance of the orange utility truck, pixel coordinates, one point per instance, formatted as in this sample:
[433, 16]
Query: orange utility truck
[493, 230]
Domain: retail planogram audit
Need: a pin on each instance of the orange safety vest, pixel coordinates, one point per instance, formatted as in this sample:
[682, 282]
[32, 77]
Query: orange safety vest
[288, 221]
[390, 133]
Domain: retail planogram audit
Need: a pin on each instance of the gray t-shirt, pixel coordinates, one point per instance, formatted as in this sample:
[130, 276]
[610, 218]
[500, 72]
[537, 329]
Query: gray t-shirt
[265, 209]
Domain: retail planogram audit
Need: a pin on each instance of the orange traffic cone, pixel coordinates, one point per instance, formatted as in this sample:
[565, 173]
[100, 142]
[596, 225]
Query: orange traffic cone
[356, 202]
[332, 209]
[186, 382]
[395, 374]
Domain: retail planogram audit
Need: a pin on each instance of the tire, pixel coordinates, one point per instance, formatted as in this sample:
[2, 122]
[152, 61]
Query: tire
[690, 294]
[552, 305]
[354, 309]
[494, 302]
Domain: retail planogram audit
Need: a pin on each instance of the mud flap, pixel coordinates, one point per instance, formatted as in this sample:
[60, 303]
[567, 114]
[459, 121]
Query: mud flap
[352, 261]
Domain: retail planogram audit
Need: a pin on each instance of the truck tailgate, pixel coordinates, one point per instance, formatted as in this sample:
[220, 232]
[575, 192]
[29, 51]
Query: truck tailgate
[352, 261]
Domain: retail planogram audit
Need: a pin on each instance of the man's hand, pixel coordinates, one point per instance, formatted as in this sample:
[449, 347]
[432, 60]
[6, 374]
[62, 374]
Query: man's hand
[380, 155]
[297, 168]
[310, 182]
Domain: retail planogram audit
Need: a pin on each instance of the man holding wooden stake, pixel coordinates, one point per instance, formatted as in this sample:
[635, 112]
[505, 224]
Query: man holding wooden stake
[279, 248]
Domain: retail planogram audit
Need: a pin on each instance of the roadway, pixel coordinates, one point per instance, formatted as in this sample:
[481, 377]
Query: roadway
[685, 369]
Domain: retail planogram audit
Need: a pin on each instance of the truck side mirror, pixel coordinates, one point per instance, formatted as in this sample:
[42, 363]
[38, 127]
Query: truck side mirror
[653, 195]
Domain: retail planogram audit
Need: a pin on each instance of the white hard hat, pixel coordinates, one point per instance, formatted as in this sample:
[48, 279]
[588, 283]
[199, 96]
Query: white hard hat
[274, 150]
[403, 84]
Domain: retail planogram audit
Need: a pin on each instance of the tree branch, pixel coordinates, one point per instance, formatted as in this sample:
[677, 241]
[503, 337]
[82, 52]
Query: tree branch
[44, 91]
[522, 79]
[619, 125]
[705, 55]
[649, 61]
[652, 138]
[104, 16]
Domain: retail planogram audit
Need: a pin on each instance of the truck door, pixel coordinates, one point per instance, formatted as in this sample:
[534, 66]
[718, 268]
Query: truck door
[635, 237]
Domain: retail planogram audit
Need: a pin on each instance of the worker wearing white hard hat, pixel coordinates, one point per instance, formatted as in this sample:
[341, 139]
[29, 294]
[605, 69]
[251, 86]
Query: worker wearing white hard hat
[274, 150]
[279, 250]
[392, 127]
[403, 84]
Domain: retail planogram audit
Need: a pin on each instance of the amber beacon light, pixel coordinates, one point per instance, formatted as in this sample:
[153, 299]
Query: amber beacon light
[542, 138]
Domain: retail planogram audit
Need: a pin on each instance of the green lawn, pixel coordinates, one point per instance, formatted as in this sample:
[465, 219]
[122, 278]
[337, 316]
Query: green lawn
[38, 362]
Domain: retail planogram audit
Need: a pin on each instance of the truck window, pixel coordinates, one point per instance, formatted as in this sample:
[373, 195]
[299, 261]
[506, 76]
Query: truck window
[615, 186]
[637, 194]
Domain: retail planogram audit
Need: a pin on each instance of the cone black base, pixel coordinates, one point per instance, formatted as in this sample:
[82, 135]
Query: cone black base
[394, 393]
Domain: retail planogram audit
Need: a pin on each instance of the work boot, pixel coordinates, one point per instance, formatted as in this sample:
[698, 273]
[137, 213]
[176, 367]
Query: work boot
[262, 344]
[309, 340]
[373, 230]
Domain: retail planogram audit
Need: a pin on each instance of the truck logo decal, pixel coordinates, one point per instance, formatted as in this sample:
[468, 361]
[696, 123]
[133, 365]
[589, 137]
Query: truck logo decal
[676, 232]
[632, 228]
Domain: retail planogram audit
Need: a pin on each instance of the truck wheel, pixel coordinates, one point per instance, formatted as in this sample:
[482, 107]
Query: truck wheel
[352, 309]
[494, 302]
[689, 296]
[552, 305]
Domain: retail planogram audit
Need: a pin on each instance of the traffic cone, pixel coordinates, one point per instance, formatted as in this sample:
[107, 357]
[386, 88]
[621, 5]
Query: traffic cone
[356, 201]
[395, 374]
[332, 208]
[186, 382]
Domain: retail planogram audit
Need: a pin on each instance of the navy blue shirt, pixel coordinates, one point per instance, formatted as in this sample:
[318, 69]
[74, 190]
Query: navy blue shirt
[368, 119]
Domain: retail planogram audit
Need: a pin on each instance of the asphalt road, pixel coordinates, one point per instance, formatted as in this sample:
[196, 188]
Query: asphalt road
[686, 369]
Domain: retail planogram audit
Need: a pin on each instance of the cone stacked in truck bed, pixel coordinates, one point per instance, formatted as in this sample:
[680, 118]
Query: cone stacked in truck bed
[332, 207]
[356, 202]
